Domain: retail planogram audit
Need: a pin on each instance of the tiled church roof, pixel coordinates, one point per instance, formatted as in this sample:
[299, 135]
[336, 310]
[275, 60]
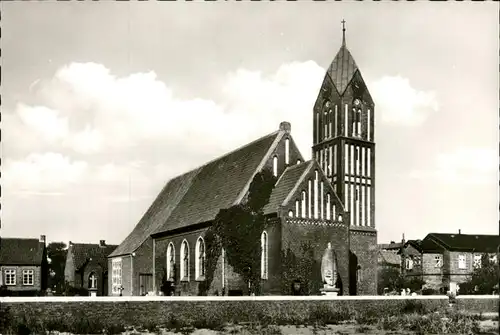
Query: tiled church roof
[83, 252]
[342, 69]
[198, 195]
[286, 185]
[21, 251]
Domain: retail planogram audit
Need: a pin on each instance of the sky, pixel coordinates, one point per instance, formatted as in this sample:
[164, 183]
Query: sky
[104, 102]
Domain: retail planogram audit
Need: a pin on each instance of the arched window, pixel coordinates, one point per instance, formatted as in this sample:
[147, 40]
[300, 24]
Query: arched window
[290, 213]
[184, 261]
[170, 261]
[200, 259]
[328, 206]
[309, 198]
[299, 161]
[303, 209]
[287, 151]
[275, 166]
[297, 208]
[264, 256]
[92, 281]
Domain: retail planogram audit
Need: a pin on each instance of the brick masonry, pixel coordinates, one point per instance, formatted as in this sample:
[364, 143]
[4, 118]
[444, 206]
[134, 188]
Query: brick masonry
[37, 282]
[363, 247]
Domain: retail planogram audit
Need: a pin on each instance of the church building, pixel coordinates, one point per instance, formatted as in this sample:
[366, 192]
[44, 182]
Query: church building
[324, 206]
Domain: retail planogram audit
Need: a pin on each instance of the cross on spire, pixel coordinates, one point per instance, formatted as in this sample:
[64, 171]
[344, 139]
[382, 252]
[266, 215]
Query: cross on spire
[343, 32]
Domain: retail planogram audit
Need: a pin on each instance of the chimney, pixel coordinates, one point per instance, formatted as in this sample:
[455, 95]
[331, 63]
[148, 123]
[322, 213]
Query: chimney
[392, 242]
[459, 231]
[42, 239]
[102, 243]
[286, 126]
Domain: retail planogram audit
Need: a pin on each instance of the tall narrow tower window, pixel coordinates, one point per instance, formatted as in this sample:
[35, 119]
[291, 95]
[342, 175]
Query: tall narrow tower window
[322, 207]
[264, 260]
[287, 151]
[336, 125]
[275, 166]
[297, 208]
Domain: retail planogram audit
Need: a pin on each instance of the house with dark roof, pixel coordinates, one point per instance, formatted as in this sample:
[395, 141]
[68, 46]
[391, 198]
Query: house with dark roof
[327, 203]
[449, 259]
[23, 265]
[87, 266]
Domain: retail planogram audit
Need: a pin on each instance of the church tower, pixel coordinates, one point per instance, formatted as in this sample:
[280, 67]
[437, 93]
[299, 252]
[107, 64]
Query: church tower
[344, 146]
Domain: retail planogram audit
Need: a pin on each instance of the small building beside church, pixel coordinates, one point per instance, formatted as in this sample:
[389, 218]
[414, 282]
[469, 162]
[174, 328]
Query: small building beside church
[87, 266]
[23, 266]
[323, 206]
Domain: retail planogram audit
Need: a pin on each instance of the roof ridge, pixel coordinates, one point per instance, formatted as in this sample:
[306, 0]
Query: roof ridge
[279, 135]
[226, 154]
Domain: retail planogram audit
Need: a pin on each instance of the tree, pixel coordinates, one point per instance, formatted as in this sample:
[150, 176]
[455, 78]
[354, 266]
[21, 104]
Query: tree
[393, 280]
[56, 252]
[238, 230]
[484, 279]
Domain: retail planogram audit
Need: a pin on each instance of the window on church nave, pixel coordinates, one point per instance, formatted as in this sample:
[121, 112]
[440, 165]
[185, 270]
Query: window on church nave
[170, 261]
[275, 166]
[328, 206]
[184, 261]
[200, 259]
[264, 255]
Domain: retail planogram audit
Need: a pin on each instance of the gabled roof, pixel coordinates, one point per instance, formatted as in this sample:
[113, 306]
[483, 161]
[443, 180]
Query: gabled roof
[21, 251]
[342, 69]
[389, 257]
[83, 252]
[221, 183]
[285, 185]
[288, 184]
[198, 195]
[465, 242]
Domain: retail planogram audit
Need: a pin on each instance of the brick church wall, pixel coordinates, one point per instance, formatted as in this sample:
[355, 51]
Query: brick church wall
[364, 246]
[297, 233]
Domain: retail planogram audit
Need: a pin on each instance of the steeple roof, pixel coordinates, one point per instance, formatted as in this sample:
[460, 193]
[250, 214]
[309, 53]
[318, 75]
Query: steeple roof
[343, 67]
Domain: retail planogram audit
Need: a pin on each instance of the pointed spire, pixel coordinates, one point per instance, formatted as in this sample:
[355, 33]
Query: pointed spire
[343, 32]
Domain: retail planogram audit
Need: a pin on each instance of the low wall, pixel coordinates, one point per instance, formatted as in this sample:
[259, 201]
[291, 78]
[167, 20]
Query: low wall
[478, 303]
[161, 311]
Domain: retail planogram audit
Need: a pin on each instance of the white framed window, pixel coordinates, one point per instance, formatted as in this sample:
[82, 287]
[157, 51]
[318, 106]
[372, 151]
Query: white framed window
[200, 259]
[116, 275]
[184, 261]
[409, 264]
[170, 261]
[477, 261]
[275, 166]
[438, 261]
[287, 151]
[92, 281]
[263, 255]
[10, 277]
[28, 277]
[461, 262]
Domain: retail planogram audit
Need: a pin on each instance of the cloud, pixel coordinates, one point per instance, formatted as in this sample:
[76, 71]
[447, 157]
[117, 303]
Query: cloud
[94, 129]
[400, 104]
[464, 165]
[42, 173]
